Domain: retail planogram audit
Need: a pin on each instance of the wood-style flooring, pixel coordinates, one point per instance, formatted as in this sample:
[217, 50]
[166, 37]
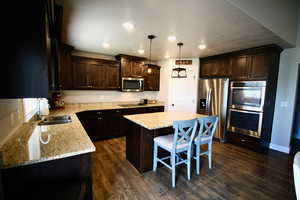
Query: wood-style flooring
[237, 173]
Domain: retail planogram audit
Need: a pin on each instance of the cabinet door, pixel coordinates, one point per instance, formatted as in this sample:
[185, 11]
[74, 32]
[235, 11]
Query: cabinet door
[239, 68]
[260, 66]
[126, 66]
[222, 67]
[152, 78]
[137, 68]
[65, 68]
[112, 75]
[208, 68]
[81, 79]
[96, 73]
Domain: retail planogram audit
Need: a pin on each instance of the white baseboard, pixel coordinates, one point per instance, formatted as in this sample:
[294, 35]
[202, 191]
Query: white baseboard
[280, 148]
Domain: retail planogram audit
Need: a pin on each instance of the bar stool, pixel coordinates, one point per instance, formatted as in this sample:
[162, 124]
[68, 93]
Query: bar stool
[179, 142]
[205, 135]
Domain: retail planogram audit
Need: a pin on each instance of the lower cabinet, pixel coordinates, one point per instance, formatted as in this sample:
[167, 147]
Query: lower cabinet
[106, 124]
[66, 178]
[246, 141]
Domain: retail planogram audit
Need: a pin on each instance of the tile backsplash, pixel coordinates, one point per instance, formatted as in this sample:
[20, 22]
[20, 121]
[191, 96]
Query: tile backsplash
[84, 96]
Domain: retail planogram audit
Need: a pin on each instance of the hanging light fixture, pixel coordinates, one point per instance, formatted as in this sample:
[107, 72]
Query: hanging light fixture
[179, 72]
[149, 69]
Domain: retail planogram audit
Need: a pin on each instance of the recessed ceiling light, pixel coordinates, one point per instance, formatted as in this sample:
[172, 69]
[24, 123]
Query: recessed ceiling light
[128, 26]
[172, 38]
[105, 45]
[141, 51]
[167, 56]
[201, 46]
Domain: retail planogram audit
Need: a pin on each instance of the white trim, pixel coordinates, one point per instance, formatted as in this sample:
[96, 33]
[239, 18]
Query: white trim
[280, 148]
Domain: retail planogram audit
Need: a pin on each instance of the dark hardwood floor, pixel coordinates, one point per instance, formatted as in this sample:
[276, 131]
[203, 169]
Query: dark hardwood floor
[237, 173]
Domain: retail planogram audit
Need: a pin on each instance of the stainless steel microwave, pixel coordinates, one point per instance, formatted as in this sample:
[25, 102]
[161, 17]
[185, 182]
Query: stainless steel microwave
[132, 84]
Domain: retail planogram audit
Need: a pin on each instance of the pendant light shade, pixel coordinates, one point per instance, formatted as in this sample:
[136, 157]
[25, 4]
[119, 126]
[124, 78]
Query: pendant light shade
[179, 72]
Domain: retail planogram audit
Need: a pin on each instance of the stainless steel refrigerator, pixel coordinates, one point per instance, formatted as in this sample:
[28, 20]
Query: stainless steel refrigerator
[212, 100]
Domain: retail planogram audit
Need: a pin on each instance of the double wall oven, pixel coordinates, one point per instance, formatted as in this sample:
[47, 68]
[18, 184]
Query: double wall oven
[246, 103]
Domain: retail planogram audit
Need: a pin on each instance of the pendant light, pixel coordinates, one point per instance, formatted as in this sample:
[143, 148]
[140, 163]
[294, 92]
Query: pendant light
[179, 72]
[149, 69]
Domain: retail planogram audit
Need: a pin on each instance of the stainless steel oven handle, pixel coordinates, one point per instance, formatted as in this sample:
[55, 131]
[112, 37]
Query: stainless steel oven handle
[255, 87]
[245, 111]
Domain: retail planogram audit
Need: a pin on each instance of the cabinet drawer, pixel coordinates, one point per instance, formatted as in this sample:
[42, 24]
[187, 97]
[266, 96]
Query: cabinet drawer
[245, 141]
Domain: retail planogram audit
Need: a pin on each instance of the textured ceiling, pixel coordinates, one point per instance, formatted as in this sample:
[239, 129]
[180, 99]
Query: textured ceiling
[217, 23]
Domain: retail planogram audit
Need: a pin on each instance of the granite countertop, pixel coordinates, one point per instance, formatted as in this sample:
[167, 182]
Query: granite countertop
[32, 143]
[161, 119]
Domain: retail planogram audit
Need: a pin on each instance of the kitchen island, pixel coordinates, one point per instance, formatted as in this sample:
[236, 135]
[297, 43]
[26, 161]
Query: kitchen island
[143, 128]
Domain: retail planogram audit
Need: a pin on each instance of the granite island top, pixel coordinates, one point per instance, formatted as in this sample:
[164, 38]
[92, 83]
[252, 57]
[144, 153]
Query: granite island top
[158, 120]
[32, 143]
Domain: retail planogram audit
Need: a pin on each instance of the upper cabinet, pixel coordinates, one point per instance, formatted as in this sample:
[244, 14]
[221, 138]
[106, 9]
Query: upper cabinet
[91, 73]
[132, 66]
[214, 67]
[25, 70]
[250, 64]
[65, 80]
[83, 73]
[239, 67]
[152, 77]
[260, 66]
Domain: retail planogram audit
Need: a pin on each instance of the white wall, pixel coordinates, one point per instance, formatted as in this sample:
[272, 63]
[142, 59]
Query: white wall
[180, 92]
[91, 96]
[286, 93]
[279, 16]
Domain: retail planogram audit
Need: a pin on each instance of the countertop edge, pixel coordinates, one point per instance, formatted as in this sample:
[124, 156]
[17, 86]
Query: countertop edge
[144, 126]
[67, 155]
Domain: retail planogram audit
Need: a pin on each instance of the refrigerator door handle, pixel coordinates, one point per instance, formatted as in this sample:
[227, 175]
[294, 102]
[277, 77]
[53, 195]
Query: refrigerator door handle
[208, 103]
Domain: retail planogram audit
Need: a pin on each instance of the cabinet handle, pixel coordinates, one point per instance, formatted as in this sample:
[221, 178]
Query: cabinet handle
[99, 118]
[117, 111]
[242, 140]
[99, 113]
[86, 86]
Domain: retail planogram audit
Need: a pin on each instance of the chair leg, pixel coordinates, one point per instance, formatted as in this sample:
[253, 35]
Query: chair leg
[155, 156]
[173, 164]
[198, 158]
[189, 165]
[209, 154]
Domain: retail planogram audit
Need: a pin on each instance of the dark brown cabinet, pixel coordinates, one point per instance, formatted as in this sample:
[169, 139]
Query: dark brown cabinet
[260, 66]
[239, 68]
[214, 67]
[131, 66]
[65, 67]
[152, 78]
[249, 64]
[89, 73]
[106, 124]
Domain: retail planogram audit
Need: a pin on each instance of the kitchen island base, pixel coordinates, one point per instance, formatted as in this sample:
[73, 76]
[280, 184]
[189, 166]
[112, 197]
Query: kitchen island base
[139, 145]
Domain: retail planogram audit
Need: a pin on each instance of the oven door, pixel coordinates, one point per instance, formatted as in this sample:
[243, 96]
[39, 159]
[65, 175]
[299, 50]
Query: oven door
[245, 122]
[132, 84]
[247, 98]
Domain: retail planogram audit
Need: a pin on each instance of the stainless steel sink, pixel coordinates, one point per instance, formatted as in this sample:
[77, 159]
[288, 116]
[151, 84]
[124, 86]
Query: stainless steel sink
[63, 119]
[131, 105]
